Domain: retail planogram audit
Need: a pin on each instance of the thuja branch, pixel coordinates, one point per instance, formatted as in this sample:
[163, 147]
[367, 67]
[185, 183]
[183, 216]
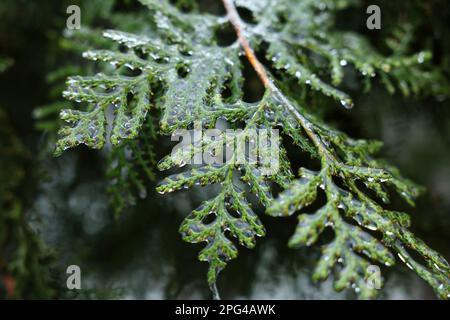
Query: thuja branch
[238, 26]
[180, 70]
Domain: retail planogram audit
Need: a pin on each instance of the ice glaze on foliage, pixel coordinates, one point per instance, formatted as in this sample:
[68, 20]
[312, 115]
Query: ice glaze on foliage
[181, 70]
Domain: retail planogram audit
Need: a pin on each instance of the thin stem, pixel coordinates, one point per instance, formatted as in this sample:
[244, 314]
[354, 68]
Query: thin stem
[215, 292]
[238, 25]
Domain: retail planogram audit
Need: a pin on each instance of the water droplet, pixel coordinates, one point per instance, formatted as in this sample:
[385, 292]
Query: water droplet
[143, 193]
[228, 61]
[347, 103]
[421, 58]
[437, 267]
[401, 257]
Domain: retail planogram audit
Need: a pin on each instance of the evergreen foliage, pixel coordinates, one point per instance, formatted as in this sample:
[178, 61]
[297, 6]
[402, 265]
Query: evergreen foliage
[179, 68]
